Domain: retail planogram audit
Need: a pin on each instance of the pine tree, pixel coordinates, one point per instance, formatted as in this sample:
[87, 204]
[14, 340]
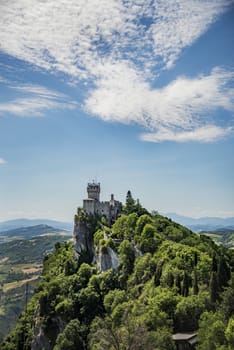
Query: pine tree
[158, 275]
[214, 287]
[130, 203]
[214, 264]
[223, 273]
[195, 259]
[185, 287]
[195, 283]
[178, 283]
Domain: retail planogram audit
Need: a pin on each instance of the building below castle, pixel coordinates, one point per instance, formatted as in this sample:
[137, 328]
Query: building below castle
[92, 205]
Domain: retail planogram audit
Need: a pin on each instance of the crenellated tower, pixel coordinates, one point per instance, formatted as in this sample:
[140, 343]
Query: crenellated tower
[94, 190]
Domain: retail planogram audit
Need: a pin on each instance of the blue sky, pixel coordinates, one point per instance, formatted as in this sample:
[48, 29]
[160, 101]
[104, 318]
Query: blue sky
[134, 94]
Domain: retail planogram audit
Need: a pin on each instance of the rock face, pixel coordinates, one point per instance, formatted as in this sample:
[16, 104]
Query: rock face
[39, 340]
[107, 260]
[83, 230]
[83, 239]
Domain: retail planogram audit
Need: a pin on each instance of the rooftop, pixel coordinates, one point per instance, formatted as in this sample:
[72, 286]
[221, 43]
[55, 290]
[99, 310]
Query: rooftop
[184, 336]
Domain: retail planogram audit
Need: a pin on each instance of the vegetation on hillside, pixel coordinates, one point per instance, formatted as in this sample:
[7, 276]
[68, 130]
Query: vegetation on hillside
[21, 267]
[222, 236]
[168, 280]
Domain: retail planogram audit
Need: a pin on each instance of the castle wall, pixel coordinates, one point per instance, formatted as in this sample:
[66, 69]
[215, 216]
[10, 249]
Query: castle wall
[82, 234]
[89, 206]
[92, 205]
[103, 208]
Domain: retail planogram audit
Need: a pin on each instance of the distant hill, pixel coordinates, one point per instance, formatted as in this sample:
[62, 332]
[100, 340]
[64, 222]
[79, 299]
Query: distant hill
[203, 223]
[222, 236]
[17, 223]
[31, 231]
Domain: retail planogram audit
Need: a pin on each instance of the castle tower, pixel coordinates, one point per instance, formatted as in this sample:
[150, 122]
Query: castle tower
[93, 190]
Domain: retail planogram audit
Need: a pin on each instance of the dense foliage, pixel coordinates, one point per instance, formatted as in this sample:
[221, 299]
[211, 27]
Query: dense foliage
[20, 267]
[168, 280]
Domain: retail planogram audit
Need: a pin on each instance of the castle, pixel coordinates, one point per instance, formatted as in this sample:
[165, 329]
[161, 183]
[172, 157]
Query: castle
[83, 235]
[92, 205]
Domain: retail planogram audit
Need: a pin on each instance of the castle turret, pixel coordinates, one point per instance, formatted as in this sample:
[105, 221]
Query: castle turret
[93, 190]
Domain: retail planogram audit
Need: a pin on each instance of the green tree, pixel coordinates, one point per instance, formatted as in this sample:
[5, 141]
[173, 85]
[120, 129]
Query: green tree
[149, 240]
[214, 287]
[229, 333]
[223, 273]
[70, 338]
[211, 331]
[130, 334]
[126, 257]
[130, 204]
[141, 222]
[188, 312]
[120, 227]
[227, 303]
[185, 285]
[195, 283]
[178, 283]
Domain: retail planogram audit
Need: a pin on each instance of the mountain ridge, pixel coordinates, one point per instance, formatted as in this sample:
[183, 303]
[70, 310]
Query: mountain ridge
[24, 222]
[36, 230]
[202, 223]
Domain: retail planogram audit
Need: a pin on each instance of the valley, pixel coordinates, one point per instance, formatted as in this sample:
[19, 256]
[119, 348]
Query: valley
[22, 251]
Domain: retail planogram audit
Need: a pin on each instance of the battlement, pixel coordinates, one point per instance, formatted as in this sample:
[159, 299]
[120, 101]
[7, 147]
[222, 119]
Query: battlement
[94, 190]
[92, 205]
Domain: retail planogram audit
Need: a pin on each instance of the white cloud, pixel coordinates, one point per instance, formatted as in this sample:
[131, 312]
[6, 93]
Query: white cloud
[121, 95]
[35, 100]
[32, 106]
[120, 46]
[39, 91]
[178, 23]
[2, 161]
[73, 38]
[208, 133]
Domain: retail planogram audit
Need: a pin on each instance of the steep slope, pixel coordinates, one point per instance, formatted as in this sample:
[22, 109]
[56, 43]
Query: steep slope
[20, 268]
[167, 279]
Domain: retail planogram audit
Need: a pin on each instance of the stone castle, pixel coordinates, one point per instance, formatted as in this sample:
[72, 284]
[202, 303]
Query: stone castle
[83, 235]
[92, 205]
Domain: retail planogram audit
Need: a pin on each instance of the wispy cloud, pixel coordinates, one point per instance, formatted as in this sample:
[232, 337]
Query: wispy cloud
[121, 46]
[178, 111]
[73, 38]
[32, 106]
[2, 161]
[178, 23]
[208, 133]
[35, 101]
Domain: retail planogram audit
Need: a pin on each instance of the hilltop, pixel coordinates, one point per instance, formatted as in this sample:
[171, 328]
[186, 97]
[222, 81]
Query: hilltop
[165, 279]
[23, 223]
[31, 231]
